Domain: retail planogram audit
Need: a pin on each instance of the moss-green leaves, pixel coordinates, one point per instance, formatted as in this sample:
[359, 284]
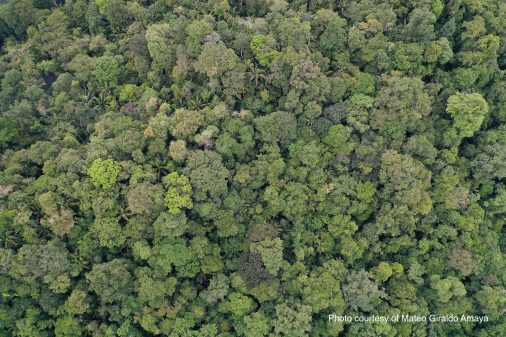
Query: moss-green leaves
[104, 173]
[178, 192]
[468, 112]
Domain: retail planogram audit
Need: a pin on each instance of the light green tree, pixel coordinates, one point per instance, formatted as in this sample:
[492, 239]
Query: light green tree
[104, 173]
[447, 288]
[468, 112]
[178, 192]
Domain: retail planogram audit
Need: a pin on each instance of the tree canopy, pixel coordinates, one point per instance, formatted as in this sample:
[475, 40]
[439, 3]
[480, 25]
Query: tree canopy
[247, 168]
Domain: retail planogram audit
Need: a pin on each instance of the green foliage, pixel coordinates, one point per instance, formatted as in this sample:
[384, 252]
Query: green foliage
[217, 290]
[292, 320]
[67, 326]
[263, 48]
[237, 304]
[77, 303]
[321, 290]
[226, 224]
[145, 198]
[168, 254]
[208, 176]
[158, 38]
[185, 123]
[400, 104]
[129, 93]
[178, 192]
[271, 251]
[170, 225]
[492, 301]
[104, 173]
[248, 168]
[468, 112]
[107, 72]
[338, 138]
[361, 292]
[382, 272]
[111, 281]
[447, 288]
[215, 59]
[255, 325]
[108, 232]
[101, 5]
[278, 126]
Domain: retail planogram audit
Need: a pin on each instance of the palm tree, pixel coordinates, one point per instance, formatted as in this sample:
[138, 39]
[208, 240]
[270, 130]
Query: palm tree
[255, 73]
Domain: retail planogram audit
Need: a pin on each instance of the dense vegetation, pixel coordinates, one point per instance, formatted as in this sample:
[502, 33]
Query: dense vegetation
[246, 168]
